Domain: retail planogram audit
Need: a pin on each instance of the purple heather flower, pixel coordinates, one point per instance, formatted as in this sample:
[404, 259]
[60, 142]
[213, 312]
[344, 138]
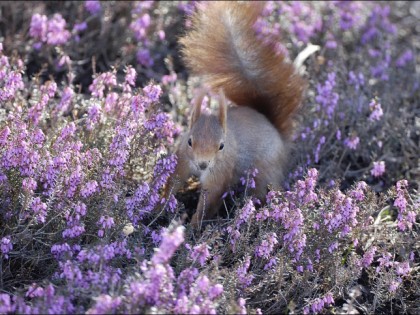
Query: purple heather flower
[6, 304]
[348, 17]
[376, 110]
[57, 34]
[73, 231]
[367, 259]
[161, 35]
[234, 235]
[333, 247]
[380, 70]
[140, 25]
[80, 27]
[169, 78]
[106, 222]
[329, 299]
[403, 269]
[73, 180]
[186, 278]
[66, 99]
[318, 148]
[378, 169]
[12, 83]
[200, 253]
[161, 125]
[93, 6]
[404, 58]
[68, 131]
[6, 246]
[105, 304]
[38, 27]
[327, 98]
[171, 240]
[245, 213]
[411, 256]
[249, 179]
[405, 218]
[152, 92]
[267, 245]
[144, 58]
[356, 80]
[29, 184]
[64, 60]
[130, 76]
[106, 79]
[331, 44]
[358, 192]
[244, 278]
[111, 101]
[215, 291]
[352, 142]
[377, 21]
[241, 303]
[39, 209]
[89, 189]
[94, 115]
[59, 250]
[4, 134]
[310, 266]
[139, 104]
[393, 286]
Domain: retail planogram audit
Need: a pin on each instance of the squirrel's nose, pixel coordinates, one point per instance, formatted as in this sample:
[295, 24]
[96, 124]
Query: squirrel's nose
[203, 165]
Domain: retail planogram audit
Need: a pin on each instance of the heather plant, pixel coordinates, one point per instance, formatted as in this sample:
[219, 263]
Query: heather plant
[93, 96]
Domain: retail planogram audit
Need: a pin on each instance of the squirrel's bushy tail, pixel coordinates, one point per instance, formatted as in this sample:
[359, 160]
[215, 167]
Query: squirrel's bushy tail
[223, 47]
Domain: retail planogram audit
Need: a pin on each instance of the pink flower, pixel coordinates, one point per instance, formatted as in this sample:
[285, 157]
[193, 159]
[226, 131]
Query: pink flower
[376, 110]
[93, 6]
[200, 253]
[57, 34]
[378, 169]
[367, 259]
[29, 184]
[352, 142]
[404, 58]
[393, 286]
[171, 240]
[89, 189]
[39, 209]
[152, 92]
[38, 27]
[130, 76]
[6, 246]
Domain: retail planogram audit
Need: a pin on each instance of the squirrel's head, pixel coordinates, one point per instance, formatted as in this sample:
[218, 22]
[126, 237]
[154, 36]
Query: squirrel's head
[207, 134]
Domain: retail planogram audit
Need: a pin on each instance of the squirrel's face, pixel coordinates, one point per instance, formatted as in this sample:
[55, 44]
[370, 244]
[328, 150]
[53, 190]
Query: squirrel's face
[207, 134]
[205, 142]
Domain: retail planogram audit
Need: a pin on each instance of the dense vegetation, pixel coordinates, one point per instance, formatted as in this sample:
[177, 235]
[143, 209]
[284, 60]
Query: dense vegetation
[93, 97]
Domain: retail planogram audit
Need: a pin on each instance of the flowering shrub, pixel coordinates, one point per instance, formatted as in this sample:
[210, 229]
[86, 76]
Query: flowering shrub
[93, 96]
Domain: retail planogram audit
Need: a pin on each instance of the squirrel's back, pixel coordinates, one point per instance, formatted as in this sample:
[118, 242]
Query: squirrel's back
[223, 47]
[259, 145]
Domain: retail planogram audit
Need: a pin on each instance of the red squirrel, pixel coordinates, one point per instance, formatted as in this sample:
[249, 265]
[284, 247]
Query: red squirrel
[223, 48]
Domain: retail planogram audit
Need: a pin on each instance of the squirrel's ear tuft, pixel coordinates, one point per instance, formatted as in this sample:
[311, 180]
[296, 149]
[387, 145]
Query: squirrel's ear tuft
[196, 111]
[222, 110]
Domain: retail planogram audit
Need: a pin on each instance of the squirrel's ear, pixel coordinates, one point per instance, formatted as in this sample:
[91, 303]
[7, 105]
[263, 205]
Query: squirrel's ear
[222, 110]
[196, 112]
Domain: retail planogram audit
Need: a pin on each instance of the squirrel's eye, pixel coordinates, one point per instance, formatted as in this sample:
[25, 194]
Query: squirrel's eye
[221, 146]
[190, 142]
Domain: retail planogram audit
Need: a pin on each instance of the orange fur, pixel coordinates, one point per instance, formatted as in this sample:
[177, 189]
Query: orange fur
[223, 48]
